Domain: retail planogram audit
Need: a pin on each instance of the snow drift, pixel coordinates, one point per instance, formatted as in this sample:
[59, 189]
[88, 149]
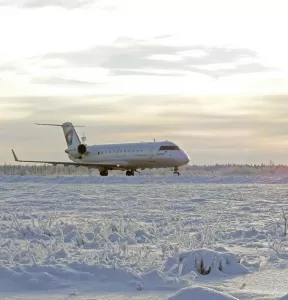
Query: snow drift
[200, 293]
[205, 262]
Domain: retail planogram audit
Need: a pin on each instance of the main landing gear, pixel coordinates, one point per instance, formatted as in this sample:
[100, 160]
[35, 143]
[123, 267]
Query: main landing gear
[176, 171]
[104, 173]
[130, 173]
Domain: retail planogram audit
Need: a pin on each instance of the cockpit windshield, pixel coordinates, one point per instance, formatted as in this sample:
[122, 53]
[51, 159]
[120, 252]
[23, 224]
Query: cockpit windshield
[164, 148]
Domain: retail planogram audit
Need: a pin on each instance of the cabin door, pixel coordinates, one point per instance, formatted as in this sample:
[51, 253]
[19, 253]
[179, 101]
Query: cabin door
[151, 154]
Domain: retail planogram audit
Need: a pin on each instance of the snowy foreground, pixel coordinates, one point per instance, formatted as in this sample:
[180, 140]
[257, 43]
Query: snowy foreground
[143, 237]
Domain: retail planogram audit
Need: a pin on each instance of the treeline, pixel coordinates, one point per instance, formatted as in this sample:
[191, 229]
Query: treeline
[240, 169]
[221, 169]
[42, 170]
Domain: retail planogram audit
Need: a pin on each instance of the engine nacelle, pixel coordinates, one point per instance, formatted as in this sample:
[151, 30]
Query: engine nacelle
[80, 150]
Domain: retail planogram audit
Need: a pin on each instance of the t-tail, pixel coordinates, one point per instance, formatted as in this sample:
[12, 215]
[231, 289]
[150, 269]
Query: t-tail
[71, 136]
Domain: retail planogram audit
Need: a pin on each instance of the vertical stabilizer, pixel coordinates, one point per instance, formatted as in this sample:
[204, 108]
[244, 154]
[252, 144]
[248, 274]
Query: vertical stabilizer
[70, 134]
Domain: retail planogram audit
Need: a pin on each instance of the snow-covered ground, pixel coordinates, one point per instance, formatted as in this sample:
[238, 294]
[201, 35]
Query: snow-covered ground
[143, 237]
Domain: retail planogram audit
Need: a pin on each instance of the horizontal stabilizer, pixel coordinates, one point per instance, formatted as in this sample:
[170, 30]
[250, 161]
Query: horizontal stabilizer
[59, 125]
[70, 134]
[49, 124]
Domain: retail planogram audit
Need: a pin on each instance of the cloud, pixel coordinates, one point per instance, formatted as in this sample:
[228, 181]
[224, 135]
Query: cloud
[177, 117]
[136, 58]
[146, 113]
[270, 107]
[88, 108]
[61, 81]
[8, 67]
[68, 4]
[59, 108]
[163, 36]
[209, 136]
[130, 57]
[240, 69]
[143, 73]
[274, 102]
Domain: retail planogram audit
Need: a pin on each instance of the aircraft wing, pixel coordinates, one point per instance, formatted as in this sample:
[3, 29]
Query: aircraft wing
[108, 165]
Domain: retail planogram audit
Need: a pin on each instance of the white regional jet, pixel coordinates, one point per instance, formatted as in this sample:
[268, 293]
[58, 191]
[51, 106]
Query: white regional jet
[125, 156]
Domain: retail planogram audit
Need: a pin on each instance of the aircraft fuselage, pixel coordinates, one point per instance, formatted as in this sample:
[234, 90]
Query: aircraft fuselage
[136, 155]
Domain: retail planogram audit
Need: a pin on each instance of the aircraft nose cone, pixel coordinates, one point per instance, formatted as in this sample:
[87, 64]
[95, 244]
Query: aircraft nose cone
[184, 158]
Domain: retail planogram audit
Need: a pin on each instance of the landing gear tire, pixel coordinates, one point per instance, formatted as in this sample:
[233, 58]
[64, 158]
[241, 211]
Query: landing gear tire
[176, 171]
[130, 173]
[104, 173]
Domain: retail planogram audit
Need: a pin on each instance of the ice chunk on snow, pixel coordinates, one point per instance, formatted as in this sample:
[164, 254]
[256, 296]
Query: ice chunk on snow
[200, 293]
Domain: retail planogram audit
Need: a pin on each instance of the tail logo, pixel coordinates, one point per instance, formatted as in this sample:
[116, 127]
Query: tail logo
[69, 137]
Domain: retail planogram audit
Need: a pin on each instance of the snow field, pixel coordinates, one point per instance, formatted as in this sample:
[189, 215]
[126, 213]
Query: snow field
[142, 237]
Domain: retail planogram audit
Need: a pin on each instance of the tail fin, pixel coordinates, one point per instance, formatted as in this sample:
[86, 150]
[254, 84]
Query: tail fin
[70, 134]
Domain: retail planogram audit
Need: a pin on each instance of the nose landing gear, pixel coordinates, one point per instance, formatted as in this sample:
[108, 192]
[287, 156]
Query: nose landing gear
[176, 171]
[130, 173]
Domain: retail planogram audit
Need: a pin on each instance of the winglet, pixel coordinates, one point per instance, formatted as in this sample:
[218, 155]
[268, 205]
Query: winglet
[15, 157]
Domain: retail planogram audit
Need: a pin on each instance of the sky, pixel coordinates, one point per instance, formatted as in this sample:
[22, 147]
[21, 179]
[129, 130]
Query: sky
[212, 76]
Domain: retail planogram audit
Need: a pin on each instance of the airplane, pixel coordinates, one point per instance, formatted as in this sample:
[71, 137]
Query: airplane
[127, 157]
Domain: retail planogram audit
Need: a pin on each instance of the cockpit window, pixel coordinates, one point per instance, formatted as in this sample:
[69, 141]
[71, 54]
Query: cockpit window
[164, 148]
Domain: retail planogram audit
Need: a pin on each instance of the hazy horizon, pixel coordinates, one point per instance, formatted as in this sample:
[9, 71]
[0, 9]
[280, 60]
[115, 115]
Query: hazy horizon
[212, 77]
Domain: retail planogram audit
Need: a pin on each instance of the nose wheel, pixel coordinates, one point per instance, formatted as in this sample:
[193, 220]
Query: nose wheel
[130, 173]
[176, 171]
